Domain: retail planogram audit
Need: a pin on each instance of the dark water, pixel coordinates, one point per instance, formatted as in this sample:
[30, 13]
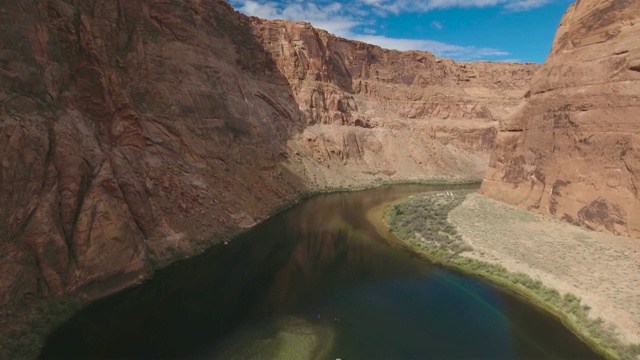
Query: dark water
[316, 281]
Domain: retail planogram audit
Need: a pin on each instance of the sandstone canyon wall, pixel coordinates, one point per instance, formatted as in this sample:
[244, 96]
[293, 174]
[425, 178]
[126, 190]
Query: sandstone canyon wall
[135, 132]
[408, 114]
[573, 150]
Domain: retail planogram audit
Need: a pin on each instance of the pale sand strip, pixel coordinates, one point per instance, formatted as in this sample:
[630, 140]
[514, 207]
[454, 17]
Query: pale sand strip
[602, 269]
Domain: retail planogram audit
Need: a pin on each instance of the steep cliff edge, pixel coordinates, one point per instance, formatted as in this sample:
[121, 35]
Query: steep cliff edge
[135, 132]
[573, 150]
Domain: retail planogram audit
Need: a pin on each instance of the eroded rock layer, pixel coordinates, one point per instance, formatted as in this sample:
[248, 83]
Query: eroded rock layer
[135, 132]
[573, 150]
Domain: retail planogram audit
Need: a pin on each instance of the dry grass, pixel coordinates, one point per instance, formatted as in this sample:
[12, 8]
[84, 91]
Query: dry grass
[24, 327]
[602, 269]
[559, 267]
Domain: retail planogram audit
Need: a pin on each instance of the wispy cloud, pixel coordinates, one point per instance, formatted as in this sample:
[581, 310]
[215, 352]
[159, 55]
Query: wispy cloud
[398, 6]
[328, 16]
[440, 49]
[511, 60]
[354, 21]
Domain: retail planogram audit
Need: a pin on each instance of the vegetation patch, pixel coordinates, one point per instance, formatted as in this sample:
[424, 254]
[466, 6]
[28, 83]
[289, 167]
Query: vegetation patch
[291, 338]
[23, 328]
[421, 222]
[424, 220]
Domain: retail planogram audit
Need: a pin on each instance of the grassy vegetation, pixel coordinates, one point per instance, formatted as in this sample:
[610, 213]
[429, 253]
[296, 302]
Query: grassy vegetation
[24, 327]
[422, 222]
[290, 338]
[427, 217]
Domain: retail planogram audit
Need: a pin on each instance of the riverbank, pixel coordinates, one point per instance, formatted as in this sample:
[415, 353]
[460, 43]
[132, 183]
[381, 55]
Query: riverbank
[309, 193]
[588, 280]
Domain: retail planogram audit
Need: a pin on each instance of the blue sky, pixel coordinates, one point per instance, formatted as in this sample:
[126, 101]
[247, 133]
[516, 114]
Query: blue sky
[465, 30]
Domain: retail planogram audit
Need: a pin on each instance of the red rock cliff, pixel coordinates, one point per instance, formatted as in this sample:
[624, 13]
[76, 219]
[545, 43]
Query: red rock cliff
[135, 132]
[573, 150]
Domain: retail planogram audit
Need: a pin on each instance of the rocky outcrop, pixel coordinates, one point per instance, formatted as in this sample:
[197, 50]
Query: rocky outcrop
[133, 133]
[573, 150]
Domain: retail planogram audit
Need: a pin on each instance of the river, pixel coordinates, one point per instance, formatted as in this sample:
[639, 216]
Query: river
[317, 281]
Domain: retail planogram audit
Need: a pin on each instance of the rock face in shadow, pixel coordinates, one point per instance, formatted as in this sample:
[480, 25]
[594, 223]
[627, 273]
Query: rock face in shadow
[134, 133]
[573, 150]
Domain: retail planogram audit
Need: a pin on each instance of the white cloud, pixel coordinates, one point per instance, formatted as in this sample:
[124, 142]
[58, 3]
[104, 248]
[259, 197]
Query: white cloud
[253, 8]
[511, 60]
[440, 49]
[353, 21]
[398, 6]
[523, 5]
[325, 15]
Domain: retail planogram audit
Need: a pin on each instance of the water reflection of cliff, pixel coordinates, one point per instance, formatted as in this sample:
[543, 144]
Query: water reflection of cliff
[335, 246]
[320, 256]
[311, 251]
[305, 275]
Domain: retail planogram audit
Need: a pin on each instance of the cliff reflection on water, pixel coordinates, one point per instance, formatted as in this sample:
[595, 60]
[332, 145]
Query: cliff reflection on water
[320, 280]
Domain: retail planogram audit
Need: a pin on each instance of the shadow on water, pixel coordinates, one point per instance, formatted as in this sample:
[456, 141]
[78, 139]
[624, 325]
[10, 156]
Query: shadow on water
[315, 281]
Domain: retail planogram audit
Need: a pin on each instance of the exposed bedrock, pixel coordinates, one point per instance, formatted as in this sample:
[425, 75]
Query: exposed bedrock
[573, 150]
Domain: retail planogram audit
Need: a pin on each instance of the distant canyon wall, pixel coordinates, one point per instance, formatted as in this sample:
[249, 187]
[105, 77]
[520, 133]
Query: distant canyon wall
[134, 133]
[573, 150]
[375, 113]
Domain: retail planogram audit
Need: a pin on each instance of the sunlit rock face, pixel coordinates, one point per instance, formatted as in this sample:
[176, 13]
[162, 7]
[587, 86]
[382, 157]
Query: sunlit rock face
[573, 150]
[376, 113]
[133, 133]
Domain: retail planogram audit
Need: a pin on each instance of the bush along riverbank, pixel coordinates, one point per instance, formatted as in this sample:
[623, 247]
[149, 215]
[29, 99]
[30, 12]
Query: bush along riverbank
[421, 222]
[24, 327]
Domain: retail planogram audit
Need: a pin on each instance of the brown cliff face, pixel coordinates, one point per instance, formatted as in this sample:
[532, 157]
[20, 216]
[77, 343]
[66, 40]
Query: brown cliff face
[573, 150]
[372, 113]
[131, 133]
[135, 132]
[339, 81]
